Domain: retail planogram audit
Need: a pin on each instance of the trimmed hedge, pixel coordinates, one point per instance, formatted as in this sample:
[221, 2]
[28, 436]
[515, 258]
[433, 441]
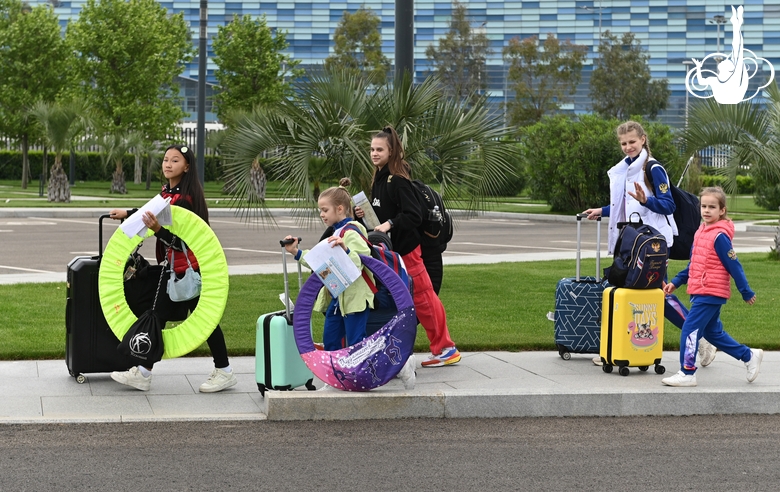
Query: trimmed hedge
[745, 184]
[88, 166]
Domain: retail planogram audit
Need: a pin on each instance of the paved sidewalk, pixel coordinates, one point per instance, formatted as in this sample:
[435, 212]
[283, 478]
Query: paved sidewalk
[483, 384]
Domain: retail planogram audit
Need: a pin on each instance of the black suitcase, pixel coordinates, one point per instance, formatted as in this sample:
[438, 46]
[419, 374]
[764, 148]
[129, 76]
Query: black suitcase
[90, 345]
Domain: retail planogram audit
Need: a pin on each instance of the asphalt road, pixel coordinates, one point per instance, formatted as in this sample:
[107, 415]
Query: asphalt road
[43, 245]
[712, 453]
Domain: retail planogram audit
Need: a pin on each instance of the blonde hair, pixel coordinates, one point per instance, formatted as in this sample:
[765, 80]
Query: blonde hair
[719, 194]
[632, 126]
[339, 195]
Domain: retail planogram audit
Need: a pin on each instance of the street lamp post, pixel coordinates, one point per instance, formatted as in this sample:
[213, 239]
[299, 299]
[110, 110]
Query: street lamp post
[201, 126]
[593, 9]
[718, 20]
[687, 64]
[480, 62]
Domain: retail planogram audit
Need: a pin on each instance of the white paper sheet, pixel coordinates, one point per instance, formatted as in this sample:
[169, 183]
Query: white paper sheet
[159, 206]
[332, 266]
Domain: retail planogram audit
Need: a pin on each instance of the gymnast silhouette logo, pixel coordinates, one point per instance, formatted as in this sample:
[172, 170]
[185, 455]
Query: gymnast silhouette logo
[393, 351]
[730, 84]
[140, 344]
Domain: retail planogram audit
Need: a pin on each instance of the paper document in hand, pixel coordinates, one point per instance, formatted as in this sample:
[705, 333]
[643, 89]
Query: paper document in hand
[159, 206]
[332, 266]
[369, 218]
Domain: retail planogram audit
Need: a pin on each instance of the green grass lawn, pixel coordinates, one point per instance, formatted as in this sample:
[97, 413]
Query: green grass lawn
[489, 307]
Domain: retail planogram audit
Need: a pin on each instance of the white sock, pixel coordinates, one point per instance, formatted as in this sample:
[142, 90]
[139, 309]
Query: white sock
[144, 371]
[227, 369]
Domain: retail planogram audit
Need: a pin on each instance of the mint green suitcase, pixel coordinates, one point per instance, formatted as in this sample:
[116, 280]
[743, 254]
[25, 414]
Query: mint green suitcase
[278, 364]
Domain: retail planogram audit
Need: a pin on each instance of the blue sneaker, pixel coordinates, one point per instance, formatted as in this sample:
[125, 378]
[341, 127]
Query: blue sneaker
[447, 357]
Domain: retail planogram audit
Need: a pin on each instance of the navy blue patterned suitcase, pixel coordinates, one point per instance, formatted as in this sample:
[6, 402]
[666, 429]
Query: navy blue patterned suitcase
[578, 305]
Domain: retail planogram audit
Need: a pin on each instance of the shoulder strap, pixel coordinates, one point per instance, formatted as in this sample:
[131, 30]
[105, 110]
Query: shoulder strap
[648, 167]
[353, 227]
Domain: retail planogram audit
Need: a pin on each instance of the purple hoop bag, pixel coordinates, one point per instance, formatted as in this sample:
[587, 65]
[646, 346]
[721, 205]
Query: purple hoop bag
[375, 360]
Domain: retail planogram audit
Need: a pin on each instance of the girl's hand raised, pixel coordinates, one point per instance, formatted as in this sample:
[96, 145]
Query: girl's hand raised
[639, 193]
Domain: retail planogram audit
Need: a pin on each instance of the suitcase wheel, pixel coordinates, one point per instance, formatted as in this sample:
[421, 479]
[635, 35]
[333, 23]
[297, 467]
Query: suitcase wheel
[310, 385]
[606, 368]
[643, 368]
[81, 379]
[623, 371]
[261, 388]
[659, 369]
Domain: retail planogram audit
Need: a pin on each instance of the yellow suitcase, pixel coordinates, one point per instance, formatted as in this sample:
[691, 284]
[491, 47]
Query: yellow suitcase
[632, 329]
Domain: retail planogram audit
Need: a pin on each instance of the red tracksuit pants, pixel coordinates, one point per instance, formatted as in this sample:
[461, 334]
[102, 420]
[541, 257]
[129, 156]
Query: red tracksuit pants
[430, 310]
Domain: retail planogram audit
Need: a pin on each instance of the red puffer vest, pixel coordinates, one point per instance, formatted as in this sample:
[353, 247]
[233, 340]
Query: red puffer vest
[180, 262]
[707, 275]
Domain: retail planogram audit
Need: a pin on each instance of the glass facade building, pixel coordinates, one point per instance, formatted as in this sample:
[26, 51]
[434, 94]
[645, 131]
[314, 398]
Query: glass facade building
[671, 31]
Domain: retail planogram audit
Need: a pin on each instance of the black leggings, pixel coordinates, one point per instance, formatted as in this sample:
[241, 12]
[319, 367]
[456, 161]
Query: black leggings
[178, 311]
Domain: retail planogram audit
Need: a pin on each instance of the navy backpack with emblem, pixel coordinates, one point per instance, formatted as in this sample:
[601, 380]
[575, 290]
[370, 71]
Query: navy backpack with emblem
[687, 215]
[640, 257]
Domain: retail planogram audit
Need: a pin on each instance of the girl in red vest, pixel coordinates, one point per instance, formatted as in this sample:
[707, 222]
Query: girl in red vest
[713, 262]
[184, 190]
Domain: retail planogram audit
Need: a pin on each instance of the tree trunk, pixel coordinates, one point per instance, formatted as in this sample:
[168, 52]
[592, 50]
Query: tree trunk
[25, 162]
[59, 187]
[149, 172]
[118, 180]
[139, 168]
[44, 165]
[258, 180]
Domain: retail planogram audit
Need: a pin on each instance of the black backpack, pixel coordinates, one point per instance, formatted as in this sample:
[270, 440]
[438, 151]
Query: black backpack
[436, 228]
[687, 215]
[640, 257]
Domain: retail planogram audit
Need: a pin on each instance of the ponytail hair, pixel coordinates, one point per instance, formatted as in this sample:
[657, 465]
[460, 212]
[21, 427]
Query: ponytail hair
[396, 163]
[339, 195]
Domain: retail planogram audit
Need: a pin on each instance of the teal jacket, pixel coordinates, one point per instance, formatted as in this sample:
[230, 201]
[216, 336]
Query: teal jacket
[358, 296]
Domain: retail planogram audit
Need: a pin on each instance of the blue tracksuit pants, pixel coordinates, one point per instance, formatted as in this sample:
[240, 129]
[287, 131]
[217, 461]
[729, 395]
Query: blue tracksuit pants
[704, 321]
[337, 327]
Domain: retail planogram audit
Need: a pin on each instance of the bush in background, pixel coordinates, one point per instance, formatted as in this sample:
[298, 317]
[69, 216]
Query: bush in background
[88, 166]
[567, 159]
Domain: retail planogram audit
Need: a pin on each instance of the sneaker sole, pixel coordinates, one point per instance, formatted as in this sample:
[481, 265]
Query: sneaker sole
[440, 363]
[680, 385]
[217, 389]
[128, 383]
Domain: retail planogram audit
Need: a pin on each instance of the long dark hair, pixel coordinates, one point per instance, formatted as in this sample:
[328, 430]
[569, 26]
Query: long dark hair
[190, 184]
[396, 163]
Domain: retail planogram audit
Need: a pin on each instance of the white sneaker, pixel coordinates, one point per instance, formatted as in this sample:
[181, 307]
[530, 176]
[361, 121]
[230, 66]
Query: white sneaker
[754, 364]
[706, 352]
[597, 361]
[408, 374]
[327, 387]
[134, 378]
[680, 379]
[217, 381]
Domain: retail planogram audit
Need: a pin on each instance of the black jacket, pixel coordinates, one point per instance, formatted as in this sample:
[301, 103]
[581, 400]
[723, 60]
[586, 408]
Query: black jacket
[394, 198]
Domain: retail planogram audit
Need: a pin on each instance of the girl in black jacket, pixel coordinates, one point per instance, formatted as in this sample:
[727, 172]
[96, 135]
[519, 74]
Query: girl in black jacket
[395, 203]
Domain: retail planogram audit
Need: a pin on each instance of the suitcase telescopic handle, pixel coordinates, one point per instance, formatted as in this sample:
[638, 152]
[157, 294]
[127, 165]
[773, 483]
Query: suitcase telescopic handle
[579, 245]
[100, 233]
[283, 243]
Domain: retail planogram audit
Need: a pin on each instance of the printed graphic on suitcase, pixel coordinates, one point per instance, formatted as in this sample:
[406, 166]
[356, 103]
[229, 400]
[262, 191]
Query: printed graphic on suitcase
[632, 329]
[578, 316]
[578, 305]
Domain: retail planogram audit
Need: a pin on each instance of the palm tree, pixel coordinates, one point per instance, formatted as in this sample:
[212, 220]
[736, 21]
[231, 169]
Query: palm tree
[60, 123]
[750, 133]
[114, 146]
[335, 117]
